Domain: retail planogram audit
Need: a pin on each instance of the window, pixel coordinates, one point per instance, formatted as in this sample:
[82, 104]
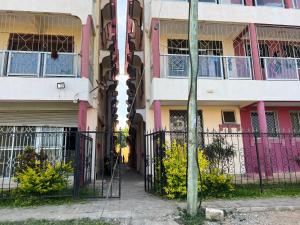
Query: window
[180, 47]
[228, 117]
[179, 126]
[59, 145]
[272, 124]
[46, 43]
[263, 52]
[295, 120]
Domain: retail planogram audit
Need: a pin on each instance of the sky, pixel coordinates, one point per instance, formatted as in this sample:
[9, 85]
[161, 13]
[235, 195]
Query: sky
[122, 87]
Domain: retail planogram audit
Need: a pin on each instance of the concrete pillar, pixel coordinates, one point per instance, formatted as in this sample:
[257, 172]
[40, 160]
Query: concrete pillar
[82, 115]
[288, 4]
[248, 2]
[263, 129]
[85, 47]
[156, 69]
[255, 52]
[157, 115]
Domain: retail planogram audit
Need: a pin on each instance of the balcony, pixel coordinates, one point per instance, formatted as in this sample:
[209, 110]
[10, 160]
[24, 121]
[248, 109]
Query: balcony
[281, 68]
[38, 64]
[210, 67]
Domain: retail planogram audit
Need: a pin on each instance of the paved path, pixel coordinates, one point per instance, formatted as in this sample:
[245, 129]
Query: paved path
[139, 208]
[135, 207]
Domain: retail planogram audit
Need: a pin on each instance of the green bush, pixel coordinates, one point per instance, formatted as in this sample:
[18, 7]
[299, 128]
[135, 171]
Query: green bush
[217, 184]
[37, 176]
[212, 182]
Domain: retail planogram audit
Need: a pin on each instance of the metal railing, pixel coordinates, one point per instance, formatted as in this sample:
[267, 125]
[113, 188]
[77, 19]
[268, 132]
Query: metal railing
[38, 64]
[264, 163]
[234, 2]
[91, 160]
[273, 3]
[296, 4]
[213, 67]
[281, 68]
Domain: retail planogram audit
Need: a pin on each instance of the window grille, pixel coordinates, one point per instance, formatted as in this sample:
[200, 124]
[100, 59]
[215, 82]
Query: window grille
[179, 124]
[272, 124]
[295, 116]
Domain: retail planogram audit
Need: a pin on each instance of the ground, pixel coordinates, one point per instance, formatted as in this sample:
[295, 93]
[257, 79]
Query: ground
[264, 218]
[139, 208]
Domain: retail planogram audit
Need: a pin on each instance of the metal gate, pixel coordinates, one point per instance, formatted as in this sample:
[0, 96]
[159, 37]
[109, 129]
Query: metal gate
[98, 167]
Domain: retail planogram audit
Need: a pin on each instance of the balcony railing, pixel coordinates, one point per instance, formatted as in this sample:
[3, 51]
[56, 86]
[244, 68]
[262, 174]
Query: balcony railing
[212, 67]
[281, 68]
[38, 64]
[296, 4]
[272, 3]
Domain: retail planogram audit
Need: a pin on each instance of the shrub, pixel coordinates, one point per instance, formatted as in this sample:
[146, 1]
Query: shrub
[218, 153]
[175, 164]
[213, 182]
[217, 184]
[38, 176]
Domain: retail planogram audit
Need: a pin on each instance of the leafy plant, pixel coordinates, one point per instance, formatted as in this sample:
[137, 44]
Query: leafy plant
[212, 181]
[37, 176]
[219, 153]
[217, 184]
[175, 165]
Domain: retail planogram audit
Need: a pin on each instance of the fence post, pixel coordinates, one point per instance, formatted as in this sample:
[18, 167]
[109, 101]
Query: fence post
[162, 156]
[145, 162]
[120, 160]
[77, 165]
[258, 163]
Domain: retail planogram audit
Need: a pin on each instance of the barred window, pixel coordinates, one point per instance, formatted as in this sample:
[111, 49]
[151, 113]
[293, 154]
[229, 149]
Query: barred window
[179, 126]
[59, 145]
[295, 116]
[272, 124]
[180, 46]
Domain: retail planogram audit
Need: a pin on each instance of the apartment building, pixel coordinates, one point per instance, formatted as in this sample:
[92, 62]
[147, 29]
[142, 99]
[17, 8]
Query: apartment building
[248, 67]
[58, 68]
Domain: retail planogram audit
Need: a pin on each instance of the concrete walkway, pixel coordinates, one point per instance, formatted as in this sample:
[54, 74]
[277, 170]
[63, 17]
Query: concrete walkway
[138, 207]
[135, 207]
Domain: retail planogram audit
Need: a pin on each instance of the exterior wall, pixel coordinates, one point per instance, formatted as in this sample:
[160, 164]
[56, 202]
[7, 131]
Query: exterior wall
[283, 117]
[27, 27]
[44, 89]
[242, 92]
[79, 8]
[278, 149]
[225, 13]
[228, 49]
[212, 115]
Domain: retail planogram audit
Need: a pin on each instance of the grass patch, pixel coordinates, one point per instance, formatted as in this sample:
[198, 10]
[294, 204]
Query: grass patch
[55, 222]
[186, 219]
[269, 191]
[37, 201]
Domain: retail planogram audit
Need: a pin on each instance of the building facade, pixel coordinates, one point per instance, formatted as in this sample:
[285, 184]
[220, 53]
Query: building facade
[58, 67]
[248, 66]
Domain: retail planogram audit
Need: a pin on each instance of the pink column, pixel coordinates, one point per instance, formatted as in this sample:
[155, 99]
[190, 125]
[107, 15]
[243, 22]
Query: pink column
[82, 115]
[85, 70]
[155, 48]
[85, 47]
[156, 69]
[288, 4]
[248, 2]
[255, 52]
[157, 115]
[263, 129]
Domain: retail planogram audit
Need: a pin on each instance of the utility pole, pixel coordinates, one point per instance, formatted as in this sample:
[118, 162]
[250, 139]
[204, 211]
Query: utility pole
[192, 182]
